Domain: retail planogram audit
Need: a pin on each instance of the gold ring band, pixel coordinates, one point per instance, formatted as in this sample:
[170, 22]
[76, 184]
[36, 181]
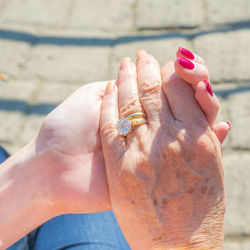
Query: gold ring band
[138, 121]
[136, 115]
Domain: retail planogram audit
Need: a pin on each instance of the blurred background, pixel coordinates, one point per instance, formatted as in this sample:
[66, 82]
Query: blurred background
[49, 48]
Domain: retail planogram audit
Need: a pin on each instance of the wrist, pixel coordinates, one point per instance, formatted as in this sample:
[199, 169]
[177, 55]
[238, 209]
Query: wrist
[24, 199]
[212, 239]
[206, 235]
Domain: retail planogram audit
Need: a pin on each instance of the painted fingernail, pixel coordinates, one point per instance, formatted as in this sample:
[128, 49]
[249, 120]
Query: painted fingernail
[229, 125]
[125, 63]
[186, 53]
[209, 88]
[110, 87]
[185, 63]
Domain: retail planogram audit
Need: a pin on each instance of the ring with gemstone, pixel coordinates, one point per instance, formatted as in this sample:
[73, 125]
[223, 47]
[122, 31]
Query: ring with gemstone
[126, 125]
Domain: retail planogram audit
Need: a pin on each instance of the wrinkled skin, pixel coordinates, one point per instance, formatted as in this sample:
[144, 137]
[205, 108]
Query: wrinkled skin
[166, 177]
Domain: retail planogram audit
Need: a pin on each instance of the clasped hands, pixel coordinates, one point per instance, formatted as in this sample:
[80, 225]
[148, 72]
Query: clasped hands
[164, 180]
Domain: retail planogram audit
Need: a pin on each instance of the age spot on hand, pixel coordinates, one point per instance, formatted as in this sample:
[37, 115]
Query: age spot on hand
[204, 189]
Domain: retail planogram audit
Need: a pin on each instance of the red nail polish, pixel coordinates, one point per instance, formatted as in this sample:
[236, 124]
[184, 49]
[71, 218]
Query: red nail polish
[229, 125]
[209, 88]
[186, 53]
[185, 63]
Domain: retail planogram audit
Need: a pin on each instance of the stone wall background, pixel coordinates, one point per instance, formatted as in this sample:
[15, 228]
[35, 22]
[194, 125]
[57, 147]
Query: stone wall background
[48, 48]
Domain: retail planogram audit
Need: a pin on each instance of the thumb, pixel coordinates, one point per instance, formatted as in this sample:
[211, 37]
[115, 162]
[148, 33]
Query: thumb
[221, 130]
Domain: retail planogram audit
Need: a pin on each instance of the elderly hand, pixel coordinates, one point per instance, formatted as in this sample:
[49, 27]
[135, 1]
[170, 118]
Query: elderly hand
[165, 177]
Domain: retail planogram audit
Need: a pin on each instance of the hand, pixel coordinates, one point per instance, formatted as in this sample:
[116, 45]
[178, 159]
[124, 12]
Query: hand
[69, 138]
[61, 171]
[198, 77]
[166, 177]
[70, 154]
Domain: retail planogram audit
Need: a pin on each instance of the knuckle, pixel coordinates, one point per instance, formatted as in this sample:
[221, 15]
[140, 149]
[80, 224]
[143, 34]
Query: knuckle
[205, 143]
[150, 88]
[173, 148]
[181, 135]
[108, 129]
[130, 105]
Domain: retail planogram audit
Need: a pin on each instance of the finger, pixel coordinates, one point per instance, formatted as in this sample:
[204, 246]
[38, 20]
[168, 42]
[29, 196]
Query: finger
[150, 87]
[182, 52]
[180, 96]
[221, 130]
[190, 71]
[129, 101]
[108, 119]
[207, 100]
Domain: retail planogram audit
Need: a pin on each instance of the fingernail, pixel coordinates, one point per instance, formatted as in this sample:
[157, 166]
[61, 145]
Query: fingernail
[185, 63]
[109, 88]
[209, 88]
[125, 63]
[141, 52]
[229, 125]
[186, 53]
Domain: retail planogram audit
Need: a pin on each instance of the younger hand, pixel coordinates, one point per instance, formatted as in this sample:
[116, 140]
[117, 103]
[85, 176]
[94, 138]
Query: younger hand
[70, 154]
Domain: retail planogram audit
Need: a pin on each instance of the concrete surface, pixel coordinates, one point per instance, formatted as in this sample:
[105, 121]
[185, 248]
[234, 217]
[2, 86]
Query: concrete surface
[49, 48]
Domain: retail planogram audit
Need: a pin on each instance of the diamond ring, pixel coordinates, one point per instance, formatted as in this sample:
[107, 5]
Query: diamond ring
[126, 125]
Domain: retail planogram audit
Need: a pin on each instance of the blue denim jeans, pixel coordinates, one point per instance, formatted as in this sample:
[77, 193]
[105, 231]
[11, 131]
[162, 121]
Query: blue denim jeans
[74, 231]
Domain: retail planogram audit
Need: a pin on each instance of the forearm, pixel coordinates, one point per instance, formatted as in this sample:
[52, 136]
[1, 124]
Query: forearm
[24, 204]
